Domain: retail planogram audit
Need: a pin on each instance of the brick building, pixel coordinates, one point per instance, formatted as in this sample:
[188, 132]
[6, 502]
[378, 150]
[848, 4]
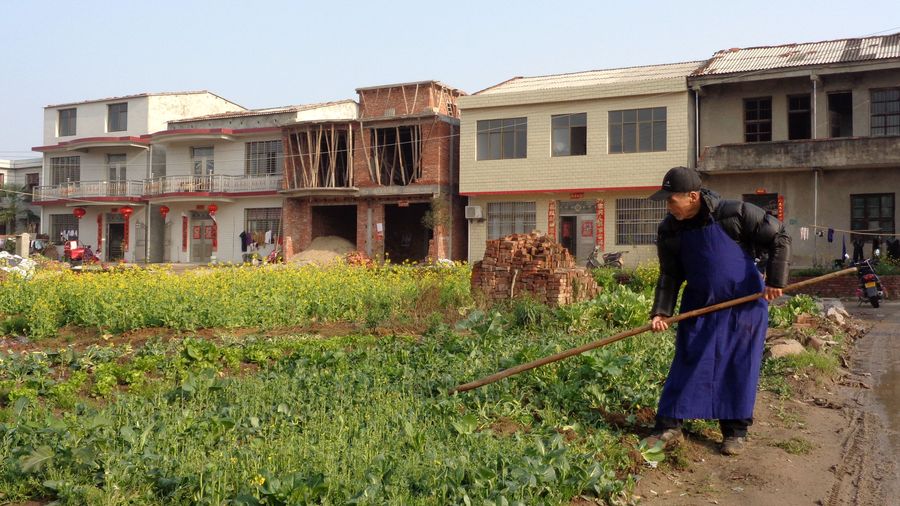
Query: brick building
[386, 181]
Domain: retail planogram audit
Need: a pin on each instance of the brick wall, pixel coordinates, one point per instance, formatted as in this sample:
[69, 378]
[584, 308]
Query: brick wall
[845, 286]
[297, 217]
[407, 99]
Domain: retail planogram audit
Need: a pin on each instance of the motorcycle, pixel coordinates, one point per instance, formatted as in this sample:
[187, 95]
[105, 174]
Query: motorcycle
[869, 287]
[78, 256]
[612, 259]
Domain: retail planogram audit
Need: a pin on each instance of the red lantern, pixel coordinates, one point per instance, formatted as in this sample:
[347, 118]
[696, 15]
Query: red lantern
[79, 212]
[212, 208]
[126, 211]
[163, 210]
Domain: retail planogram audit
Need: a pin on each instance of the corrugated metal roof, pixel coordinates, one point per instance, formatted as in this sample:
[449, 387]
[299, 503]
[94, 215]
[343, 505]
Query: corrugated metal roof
[262, 112]
[594, 77]
[730, 61]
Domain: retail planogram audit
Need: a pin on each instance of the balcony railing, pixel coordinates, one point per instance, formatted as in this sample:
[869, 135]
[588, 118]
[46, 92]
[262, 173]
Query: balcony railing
[82, 189]
[212, 184]
[845, 152]
[159, 186]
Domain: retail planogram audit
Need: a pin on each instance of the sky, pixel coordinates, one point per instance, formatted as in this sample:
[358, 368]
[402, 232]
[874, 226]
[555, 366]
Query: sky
[272, 53]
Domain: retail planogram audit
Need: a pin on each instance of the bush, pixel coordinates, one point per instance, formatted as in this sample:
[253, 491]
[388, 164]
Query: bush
[785, 314]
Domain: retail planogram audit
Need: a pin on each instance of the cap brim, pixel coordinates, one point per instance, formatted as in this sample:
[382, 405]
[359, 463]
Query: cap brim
[661, 195]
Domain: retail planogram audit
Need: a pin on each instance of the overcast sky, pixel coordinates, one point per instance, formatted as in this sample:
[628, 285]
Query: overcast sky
[266, 53]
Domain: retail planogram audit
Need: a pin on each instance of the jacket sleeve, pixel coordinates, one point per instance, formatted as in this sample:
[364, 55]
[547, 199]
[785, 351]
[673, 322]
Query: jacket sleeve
[671, 274]
[767, 235]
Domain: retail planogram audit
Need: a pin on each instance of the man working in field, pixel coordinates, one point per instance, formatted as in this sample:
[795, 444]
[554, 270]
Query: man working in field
[711, 244]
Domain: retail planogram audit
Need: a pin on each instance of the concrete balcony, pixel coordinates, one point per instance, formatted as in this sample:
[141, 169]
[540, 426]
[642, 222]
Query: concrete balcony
[841, 153]
[212, 184]
[105, 190]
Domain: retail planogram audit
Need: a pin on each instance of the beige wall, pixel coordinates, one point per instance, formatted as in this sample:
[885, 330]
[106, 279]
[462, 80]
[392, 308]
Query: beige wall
[91, 120]
[229, 156]
[94, 166]
[597, 169]
[798, 188]
[165, 108]
[635, 255]
[722, 113]
[342, 110]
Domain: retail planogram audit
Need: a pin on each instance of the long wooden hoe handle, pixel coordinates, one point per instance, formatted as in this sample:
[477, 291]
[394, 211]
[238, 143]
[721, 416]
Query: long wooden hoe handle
[628, 333]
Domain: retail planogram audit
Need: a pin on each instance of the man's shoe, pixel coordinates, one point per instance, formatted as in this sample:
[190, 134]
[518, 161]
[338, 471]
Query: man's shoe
[733, 445]
[669, 437]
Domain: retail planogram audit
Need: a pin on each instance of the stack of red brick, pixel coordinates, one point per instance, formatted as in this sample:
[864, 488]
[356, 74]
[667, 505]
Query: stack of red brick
[532, 264]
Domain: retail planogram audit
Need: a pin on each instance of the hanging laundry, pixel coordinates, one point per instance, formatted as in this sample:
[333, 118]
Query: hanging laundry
[830, 235]
[804, 233]
[244, 240]
[268, 237]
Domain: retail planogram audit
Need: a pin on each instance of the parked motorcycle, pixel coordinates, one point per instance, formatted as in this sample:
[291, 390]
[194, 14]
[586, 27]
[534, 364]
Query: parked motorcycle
[79, 255]
[611, 259]
[869, 287]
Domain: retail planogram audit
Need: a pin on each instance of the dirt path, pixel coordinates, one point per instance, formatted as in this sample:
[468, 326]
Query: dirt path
[831, 445]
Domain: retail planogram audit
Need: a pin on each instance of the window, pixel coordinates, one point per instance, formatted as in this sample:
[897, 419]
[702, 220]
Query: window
[263, 158]
[258, 221]
[886, 112]
[569, 134]
[203, 162]
[2, 179]
[506, 218]
[117, 119]
[637, 220]
[500, 139]
[637, 130]
[66, 122]
[799, 117]
[63, 227]
[768, 202]
[758, 119]
[65, 169]
[116, 166]
[32, 181]
[840, 114]
[873, 212]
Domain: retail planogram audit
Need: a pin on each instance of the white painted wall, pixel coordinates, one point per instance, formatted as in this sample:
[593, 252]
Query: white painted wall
[229, 156]
[91, 120]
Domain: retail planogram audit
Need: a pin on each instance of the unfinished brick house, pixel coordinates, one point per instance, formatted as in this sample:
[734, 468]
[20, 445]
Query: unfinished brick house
[387, 181]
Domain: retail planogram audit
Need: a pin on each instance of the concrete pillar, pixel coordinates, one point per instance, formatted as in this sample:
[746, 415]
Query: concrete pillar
[23, 244]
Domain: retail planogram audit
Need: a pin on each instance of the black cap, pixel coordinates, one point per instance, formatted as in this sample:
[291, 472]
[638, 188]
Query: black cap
[678, 180]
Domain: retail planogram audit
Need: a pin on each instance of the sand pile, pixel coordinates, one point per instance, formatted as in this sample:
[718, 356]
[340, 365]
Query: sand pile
[323, 250]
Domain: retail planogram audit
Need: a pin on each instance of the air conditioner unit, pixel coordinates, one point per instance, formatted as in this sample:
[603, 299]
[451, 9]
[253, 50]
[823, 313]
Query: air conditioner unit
[473, 213]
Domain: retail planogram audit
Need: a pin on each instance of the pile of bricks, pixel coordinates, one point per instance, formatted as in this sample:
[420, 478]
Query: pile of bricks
[535, 265]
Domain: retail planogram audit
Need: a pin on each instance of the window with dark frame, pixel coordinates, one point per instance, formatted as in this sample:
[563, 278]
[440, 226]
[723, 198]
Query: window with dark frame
[65, 169]
[840, 114]
[504, 218]
[569, 134]
[637, 220]
[261, 220]
[264, 158]
[872, 212]
[502, 139]
[885, 112]
[758, 119]
[799, 117]
[63, 227]
[67, 118]
[117, 117]
[637, 130]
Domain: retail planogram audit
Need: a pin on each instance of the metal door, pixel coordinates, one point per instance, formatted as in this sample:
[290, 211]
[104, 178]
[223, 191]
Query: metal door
[201, 236]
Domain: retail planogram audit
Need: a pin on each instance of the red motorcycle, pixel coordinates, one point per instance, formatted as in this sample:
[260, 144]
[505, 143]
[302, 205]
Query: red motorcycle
[79, 255]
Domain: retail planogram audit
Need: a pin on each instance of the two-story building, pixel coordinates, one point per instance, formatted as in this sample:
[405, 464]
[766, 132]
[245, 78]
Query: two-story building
[809, 131]
[21, 176]
[97, 156]
[220, 184]
[575, 156]
[386, 181]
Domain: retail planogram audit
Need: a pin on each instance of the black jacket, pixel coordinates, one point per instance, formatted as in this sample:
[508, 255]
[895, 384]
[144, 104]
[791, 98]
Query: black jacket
[757, 232]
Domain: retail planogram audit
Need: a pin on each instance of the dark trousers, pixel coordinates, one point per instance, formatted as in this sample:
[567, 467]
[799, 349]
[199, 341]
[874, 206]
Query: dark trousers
[730, 428]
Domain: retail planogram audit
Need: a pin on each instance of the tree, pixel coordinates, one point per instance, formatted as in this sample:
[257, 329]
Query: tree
[13, 210]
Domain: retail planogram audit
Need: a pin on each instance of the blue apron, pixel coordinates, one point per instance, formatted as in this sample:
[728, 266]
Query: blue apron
[715, 371]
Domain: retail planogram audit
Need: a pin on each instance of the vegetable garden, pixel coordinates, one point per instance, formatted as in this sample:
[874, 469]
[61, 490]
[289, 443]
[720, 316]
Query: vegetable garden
[261, 417]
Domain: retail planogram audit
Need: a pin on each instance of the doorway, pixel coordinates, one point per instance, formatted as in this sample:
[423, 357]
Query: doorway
[405, 236]
[577, 227]
[115, 238]
[203, 231]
